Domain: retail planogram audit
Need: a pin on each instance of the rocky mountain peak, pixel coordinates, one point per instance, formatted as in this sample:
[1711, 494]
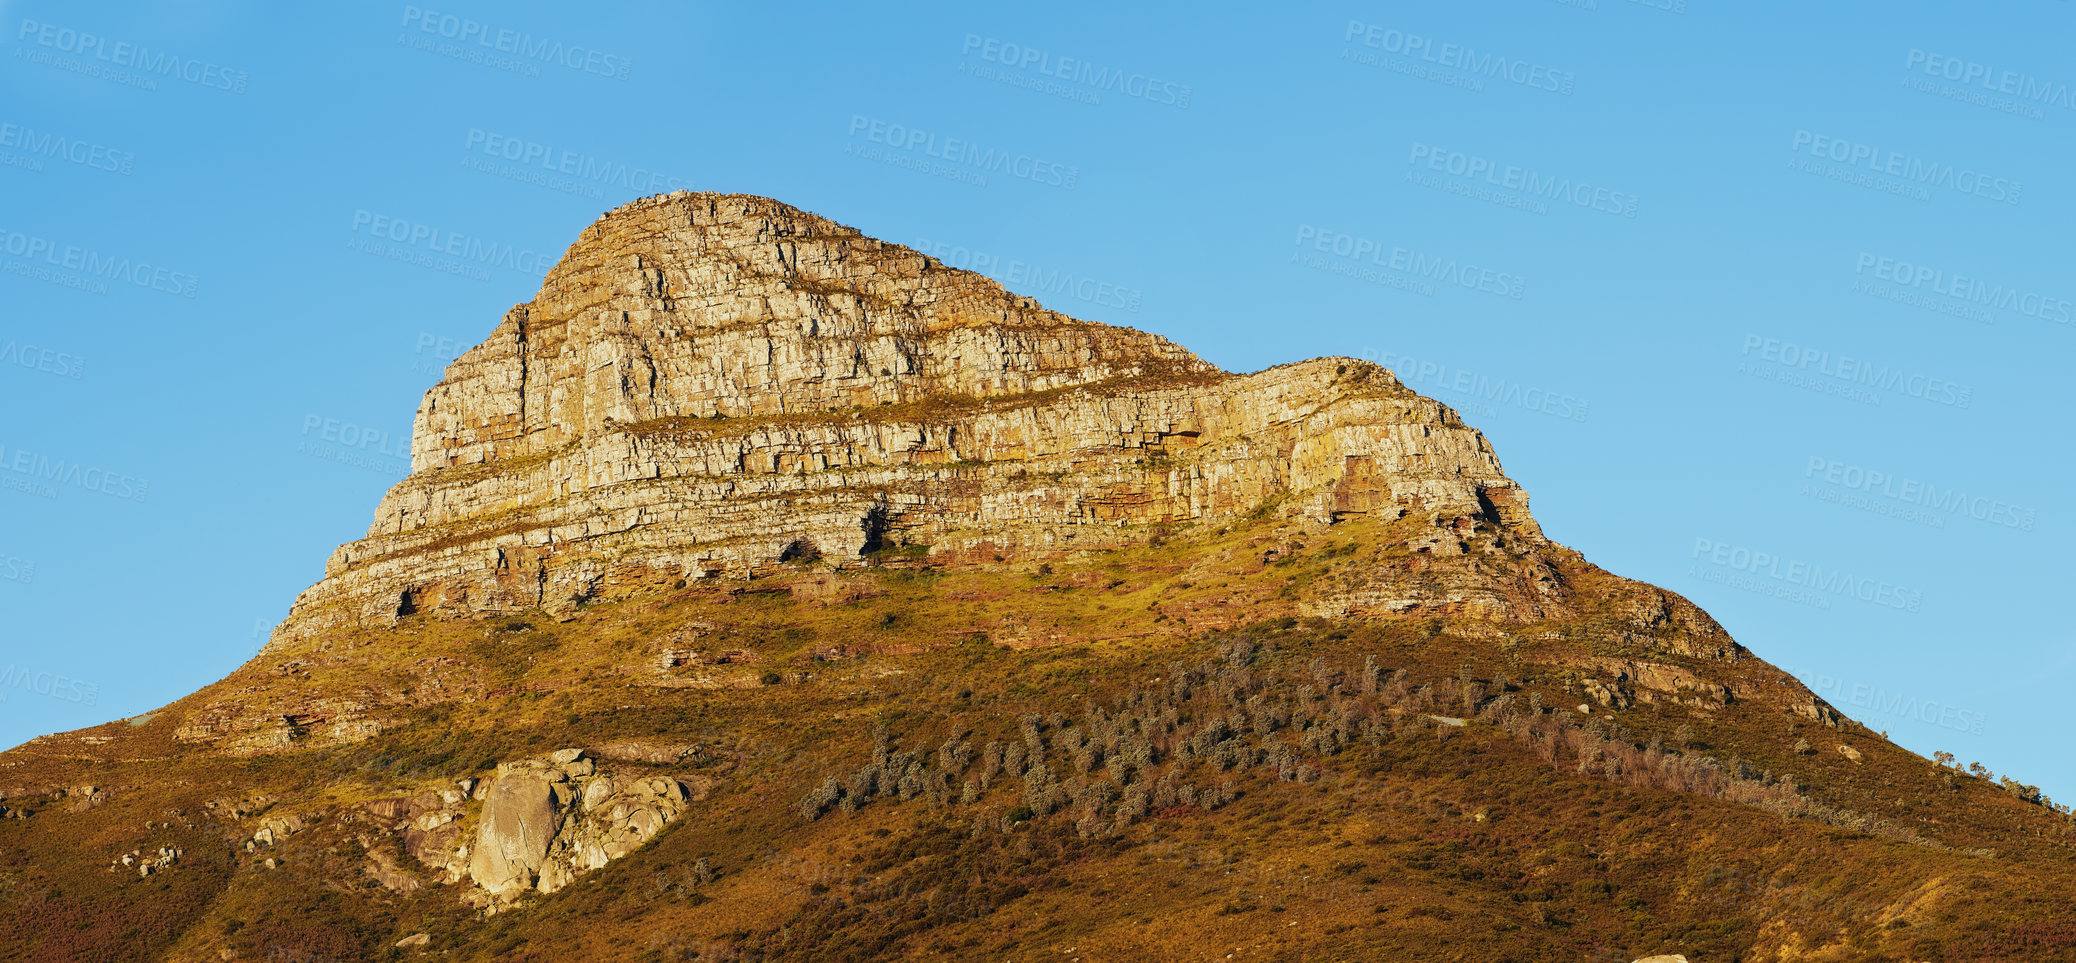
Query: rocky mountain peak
[729, 306]
[707, 384]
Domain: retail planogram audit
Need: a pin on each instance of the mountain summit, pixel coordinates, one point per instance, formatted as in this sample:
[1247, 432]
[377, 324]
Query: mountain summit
[708, 384]
[764, 591]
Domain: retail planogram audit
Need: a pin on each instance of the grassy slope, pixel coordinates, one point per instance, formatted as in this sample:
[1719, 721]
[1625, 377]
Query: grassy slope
[1422, 842]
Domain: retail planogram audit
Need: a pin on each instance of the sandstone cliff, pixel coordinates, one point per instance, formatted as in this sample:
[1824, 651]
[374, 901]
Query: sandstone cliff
[708, 384]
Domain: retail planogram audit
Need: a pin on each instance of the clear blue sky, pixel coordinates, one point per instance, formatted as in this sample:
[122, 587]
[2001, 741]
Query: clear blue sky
[1767, 300]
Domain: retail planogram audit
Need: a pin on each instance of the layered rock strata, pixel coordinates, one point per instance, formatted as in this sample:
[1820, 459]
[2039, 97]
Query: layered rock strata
[709, 384]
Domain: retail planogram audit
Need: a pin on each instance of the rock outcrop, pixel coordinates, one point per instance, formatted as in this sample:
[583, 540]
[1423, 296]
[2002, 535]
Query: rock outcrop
[708, 384]
[535, 825]
[547, 821]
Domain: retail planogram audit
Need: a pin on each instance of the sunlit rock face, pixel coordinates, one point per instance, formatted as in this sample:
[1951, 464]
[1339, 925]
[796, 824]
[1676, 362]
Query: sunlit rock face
[708, 384]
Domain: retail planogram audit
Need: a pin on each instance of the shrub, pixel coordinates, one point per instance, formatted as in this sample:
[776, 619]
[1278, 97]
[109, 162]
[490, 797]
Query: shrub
[812, 805]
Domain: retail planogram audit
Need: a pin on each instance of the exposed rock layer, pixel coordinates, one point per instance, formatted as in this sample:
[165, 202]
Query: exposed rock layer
[708, 384]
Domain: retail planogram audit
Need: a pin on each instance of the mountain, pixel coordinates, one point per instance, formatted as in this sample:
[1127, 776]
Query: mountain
[765, 591]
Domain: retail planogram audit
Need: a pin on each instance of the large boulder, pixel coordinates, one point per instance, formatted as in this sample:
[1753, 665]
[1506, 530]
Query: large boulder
[512, 839]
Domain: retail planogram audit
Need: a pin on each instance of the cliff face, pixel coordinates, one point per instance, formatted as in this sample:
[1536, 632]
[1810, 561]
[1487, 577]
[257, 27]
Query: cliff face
[708, 384]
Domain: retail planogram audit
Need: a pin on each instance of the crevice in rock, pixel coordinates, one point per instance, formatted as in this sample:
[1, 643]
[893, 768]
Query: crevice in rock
[878, 520]
[801, 550]
[524, 362]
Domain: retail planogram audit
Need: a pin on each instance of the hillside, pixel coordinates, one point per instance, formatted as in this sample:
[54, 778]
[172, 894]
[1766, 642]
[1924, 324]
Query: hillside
[765, 591]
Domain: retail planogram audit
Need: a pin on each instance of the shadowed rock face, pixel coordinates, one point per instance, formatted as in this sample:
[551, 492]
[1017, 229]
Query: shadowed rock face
[708, 384]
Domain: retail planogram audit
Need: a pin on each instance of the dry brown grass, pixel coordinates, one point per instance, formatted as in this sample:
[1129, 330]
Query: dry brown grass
[1485, 841]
